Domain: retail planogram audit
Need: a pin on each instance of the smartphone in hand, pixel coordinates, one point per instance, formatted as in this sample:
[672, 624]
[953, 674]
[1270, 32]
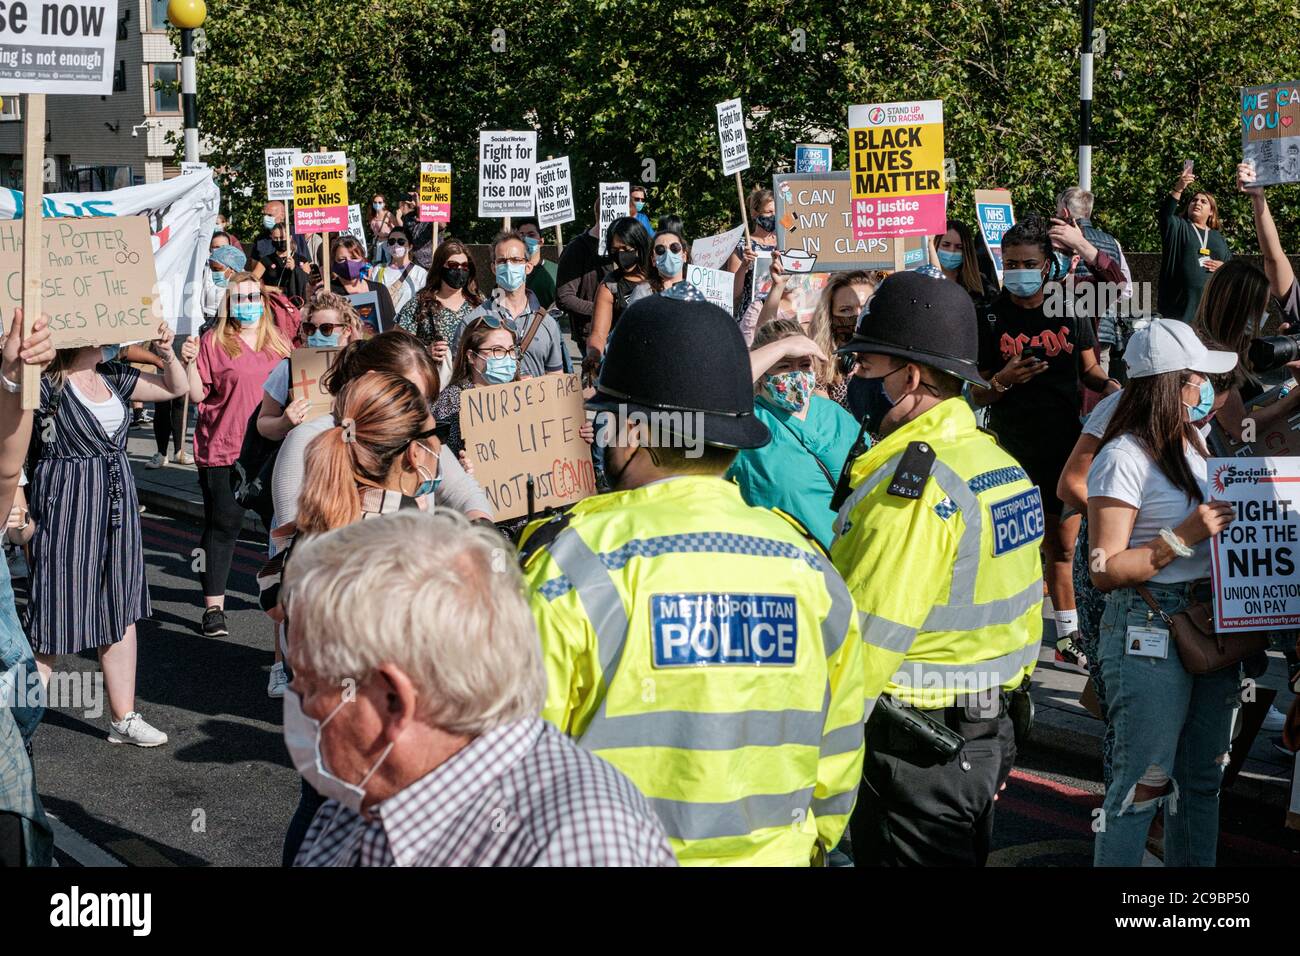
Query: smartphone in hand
[1187, 166]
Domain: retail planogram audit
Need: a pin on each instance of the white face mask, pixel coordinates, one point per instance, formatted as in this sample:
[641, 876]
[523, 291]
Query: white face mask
[302, 736]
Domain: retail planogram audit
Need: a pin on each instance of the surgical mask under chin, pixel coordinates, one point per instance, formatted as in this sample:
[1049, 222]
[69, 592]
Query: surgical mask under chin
[302, 737]
[109, 353]
[501, 370]
[319, 340]
[950, 260]
[1022, 282]
[668, 263]
[1204, 406]
[268, 222]
[510, 276]
[246, 313]
[790, 390]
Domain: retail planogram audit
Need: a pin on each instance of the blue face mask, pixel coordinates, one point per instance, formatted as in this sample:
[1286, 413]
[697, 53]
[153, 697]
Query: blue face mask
[268, 222]
[247, 313]
[1024, 283]
[109, 353]
[531, 245]
[501, 370]
[219, 279]
[950, 260]
[427, 486]
[668, 263]
[640, 206]
[318, 340]
[510, 277]
[1063, 263]
[1203, 407]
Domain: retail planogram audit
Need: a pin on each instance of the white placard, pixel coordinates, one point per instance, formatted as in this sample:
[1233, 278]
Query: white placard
[731, 136]
[554, 191]
[712, 252]
[506, 164]
[58, 47]
[356, 229]
[279, 172]
[188, 169]
[615, 200]
[718, 285]
[1254, 560]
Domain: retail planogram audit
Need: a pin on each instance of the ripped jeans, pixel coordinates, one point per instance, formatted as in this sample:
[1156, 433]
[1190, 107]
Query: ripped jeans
[1166, 720]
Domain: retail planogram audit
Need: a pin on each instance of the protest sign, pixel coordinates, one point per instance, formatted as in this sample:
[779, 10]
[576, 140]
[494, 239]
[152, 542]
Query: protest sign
[58, 47]
[995, 215]
[506, 161]
[366, 305]
[896, 161]
[528, 428]
[554, 193]
[435, 192]
[712, 252]
[760, 276]
[814, 216]
[1253, 560]
[1270, 132]
[279, 172]
[1235, 432]
[615, 199]
[812, 158]
[189, 169]
[320, 193]
[356, 229]
[307, 366]
[97, 279]
[731, 136]
[717, 285]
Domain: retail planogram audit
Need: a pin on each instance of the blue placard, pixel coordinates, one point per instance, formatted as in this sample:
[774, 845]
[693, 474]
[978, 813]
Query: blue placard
[812, 159]
[701, 629]
[1017, 521]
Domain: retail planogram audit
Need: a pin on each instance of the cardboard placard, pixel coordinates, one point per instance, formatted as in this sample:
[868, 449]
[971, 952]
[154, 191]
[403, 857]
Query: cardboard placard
[306, 368]
[615, 200]
[98, 283]
[812, 158]
[366, 305]
[814, 215]
[554, 193]
[58, 47]
[356, 228]
[717, 285]
[731, 137]
[1254, 560]
[1270, 132]
[279, 172]
[712, 252]
[896, 158]
[506, 161]
[320, 193]
[435, 192]
[527, 428]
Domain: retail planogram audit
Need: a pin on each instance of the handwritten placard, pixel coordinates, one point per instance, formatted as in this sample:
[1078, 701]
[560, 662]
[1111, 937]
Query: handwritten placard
[98, 284]
[307, 367]
[528, 428]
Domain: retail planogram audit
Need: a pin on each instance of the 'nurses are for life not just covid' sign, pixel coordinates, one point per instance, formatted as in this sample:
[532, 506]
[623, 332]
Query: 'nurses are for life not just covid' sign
[55, 47]
[896, 162]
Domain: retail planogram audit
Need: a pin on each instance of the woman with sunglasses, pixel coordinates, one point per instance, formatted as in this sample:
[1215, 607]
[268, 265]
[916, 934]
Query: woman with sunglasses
[350, 277]
[328, 322]
[449, 295]
[671, 257]
[235, 357]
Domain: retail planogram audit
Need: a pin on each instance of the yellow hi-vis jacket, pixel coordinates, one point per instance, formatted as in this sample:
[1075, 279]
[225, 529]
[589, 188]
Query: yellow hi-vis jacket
[949, 585]
[711, 652]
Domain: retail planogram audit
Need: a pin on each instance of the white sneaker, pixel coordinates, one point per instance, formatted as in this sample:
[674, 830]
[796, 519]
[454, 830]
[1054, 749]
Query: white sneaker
[133, 729]
[278, 682]
[1274, 720]
[157, 461]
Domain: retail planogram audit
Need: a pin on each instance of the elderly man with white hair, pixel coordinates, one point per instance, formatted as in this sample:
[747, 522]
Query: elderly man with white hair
[417, 685]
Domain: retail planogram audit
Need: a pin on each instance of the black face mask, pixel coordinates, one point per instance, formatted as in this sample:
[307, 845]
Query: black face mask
[626, 259]
[766, 223]
[281, 244]
[456, 278]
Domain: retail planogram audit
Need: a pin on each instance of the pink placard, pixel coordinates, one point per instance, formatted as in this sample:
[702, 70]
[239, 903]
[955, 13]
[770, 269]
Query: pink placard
[924, 215]
[325, 219]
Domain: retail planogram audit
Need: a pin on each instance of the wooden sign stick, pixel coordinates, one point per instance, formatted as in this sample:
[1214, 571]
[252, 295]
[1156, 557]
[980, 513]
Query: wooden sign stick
[33, 201]
[435, 236]
[559, 238]
[900, 254]
[744, 214]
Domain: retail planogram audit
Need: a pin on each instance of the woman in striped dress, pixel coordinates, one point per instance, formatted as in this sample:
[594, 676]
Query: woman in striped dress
[88, 586]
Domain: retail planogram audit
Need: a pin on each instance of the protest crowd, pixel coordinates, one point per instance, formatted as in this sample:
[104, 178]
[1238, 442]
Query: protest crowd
[784, 600]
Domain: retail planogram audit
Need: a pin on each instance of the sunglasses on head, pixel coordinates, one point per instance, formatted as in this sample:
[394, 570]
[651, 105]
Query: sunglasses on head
[674, 248]
[325, 328]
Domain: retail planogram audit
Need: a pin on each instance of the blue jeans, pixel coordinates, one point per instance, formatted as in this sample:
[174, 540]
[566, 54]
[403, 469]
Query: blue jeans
[1168, 719]
[17, 664]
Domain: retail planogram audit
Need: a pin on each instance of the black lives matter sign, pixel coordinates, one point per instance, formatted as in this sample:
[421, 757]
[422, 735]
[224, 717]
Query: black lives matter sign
[57, 47]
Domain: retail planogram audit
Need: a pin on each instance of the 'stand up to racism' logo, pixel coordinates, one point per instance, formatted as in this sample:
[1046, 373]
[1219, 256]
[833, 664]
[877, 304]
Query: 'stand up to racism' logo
[1225, 476]
[876, 116]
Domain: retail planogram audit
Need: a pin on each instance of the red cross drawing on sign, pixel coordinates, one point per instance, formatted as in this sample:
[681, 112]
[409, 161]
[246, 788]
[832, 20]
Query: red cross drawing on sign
[302, 386]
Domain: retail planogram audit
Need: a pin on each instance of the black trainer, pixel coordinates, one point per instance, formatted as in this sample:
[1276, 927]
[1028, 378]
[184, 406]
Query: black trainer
[214, 623]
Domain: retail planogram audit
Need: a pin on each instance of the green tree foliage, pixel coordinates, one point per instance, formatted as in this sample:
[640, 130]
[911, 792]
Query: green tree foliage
[627, 91]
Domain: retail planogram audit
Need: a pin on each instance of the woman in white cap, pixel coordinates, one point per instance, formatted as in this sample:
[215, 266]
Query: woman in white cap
[1150, 521]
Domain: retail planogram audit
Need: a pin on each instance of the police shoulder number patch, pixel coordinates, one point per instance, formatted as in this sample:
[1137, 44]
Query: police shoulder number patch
[1017, 521]
[711, 628]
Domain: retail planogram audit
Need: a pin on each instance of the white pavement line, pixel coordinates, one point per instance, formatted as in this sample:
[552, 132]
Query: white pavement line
[78, 847]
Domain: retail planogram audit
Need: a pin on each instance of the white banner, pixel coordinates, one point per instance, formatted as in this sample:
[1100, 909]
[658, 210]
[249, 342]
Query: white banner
[279, 172]
[356, 229]
[615, 200]
[712, 252]
[1253, 560]
[718, 286]
[731, 137]
[181, 213]
[506, 161]
[554, 193]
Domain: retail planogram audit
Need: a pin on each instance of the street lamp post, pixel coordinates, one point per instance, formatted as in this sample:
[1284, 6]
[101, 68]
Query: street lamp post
[188, 15]
[1085, 96]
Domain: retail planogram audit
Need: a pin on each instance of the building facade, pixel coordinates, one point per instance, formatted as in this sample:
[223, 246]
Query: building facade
[107, 142]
